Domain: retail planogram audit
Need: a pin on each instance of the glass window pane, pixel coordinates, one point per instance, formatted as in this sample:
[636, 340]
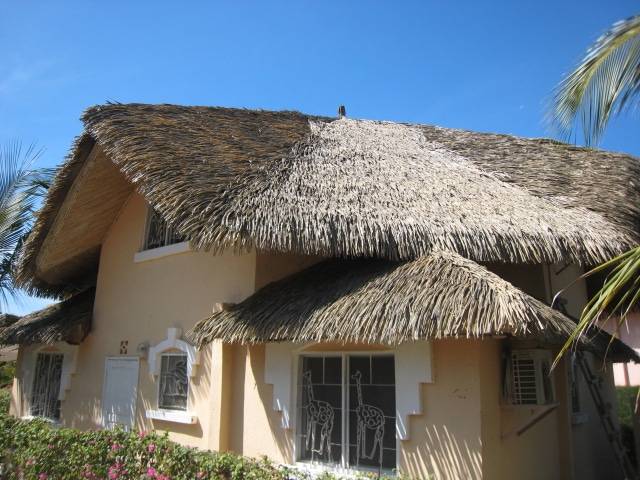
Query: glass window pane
[174, 382]
[383, 370]
[372, 407]
[320, 411]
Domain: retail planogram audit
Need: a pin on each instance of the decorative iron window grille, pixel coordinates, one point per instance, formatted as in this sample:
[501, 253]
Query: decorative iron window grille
[174, 382]
[531, 381]
[159, 234]
[347, 411]
[46, 386]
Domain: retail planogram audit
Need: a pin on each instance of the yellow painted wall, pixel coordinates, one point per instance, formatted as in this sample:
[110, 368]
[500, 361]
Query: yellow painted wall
[446, 440]
[459, 435]
[507, 455]
[137, 302]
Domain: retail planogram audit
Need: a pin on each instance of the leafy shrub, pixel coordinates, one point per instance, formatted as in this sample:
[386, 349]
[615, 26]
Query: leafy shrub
[5, 399]
[7, 372]
[36, 450]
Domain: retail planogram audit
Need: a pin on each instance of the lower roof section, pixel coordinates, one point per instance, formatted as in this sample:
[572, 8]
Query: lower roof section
[67, 321]
[441, 295]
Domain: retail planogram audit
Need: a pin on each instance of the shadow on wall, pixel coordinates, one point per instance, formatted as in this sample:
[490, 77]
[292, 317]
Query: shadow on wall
[85, 415]
[442, 456]
[282, 438]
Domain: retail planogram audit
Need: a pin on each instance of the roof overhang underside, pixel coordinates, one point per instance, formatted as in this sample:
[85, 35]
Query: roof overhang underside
[442, 295]
[70, 240]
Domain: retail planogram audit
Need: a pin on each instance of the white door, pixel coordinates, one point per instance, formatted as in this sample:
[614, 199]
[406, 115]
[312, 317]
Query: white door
[120, 392]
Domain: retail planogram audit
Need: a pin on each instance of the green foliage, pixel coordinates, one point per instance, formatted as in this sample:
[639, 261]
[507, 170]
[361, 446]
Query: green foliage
[606, 81]
[36, 450]
[21, 189]
[7, 372]
[619, 294]
[626, 404]
[5, 398]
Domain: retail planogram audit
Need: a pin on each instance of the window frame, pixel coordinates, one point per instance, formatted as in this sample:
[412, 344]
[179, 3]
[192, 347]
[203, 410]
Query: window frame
[58, 407]
[173, 353]
[342, 466]
[169, 233]
[27, 373]
[539, 357]
[172, 343]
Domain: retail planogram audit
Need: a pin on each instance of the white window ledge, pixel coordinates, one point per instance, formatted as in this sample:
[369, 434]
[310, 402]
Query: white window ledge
[155, 253]
[174, 416]
[314, 470]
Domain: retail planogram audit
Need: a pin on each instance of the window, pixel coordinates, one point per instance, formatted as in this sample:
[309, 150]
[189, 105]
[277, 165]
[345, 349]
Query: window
[158, 233]
[174, 382]
[45, 394]
[531, 381]
[346, 410]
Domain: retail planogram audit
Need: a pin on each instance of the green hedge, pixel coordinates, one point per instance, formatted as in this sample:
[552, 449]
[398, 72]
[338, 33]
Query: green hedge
[35, 450]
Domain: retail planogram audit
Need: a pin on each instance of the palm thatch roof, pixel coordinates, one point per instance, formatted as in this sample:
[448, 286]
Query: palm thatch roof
[378, 301]
[67, 321]
[290, 182]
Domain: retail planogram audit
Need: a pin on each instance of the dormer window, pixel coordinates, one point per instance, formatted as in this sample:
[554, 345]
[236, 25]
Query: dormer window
[158, 233]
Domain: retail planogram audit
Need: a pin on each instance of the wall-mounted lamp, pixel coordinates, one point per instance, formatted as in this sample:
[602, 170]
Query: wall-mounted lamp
[142, 349]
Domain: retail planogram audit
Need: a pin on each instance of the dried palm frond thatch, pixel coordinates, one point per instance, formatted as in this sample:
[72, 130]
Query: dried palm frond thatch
[68, 321]
[289, 182]
[378, 301]
[441, 295]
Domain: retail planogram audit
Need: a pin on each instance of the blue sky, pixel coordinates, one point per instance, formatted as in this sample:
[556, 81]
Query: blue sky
[487, 66]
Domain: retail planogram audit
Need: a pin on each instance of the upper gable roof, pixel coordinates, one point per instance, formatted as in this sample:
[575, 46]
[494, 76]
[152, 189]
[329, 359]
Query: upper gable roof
[341, 187]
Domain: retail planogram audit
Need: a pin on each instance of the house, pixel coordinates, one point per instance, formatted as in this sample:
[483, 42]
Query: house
[329, 292]
[626, 374]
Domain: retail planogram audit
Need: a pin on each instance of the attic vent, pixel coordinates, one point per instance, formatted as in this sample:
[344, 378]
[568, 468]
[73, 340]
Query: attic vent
[530, 380]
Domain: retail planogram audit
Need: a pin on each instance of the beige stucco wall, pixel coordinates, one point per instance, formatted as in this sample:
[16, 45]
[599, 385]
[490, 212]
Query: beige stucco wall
[460, 434]
[507, 454]
[445, 441]
[137, 302]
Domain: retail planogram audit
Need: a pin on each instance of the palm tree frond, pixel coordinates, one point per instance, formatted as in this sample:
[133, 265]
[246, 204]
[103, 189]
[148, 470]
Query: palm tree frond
[618, 295]
[604, 83]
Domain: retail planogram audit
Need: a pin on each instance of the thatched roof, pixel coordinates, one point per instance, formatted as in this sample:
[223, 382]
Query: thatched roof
[289, 182]
[67, 321]
[377, 301]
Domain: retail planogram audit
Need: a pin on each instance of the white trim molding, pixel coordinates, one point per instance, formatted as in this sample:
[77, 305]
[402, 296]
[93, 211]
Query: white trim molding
[278, 372]
[413, 368]
[175, 416]
[69, 364]
[173, 342]
[155, 253]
